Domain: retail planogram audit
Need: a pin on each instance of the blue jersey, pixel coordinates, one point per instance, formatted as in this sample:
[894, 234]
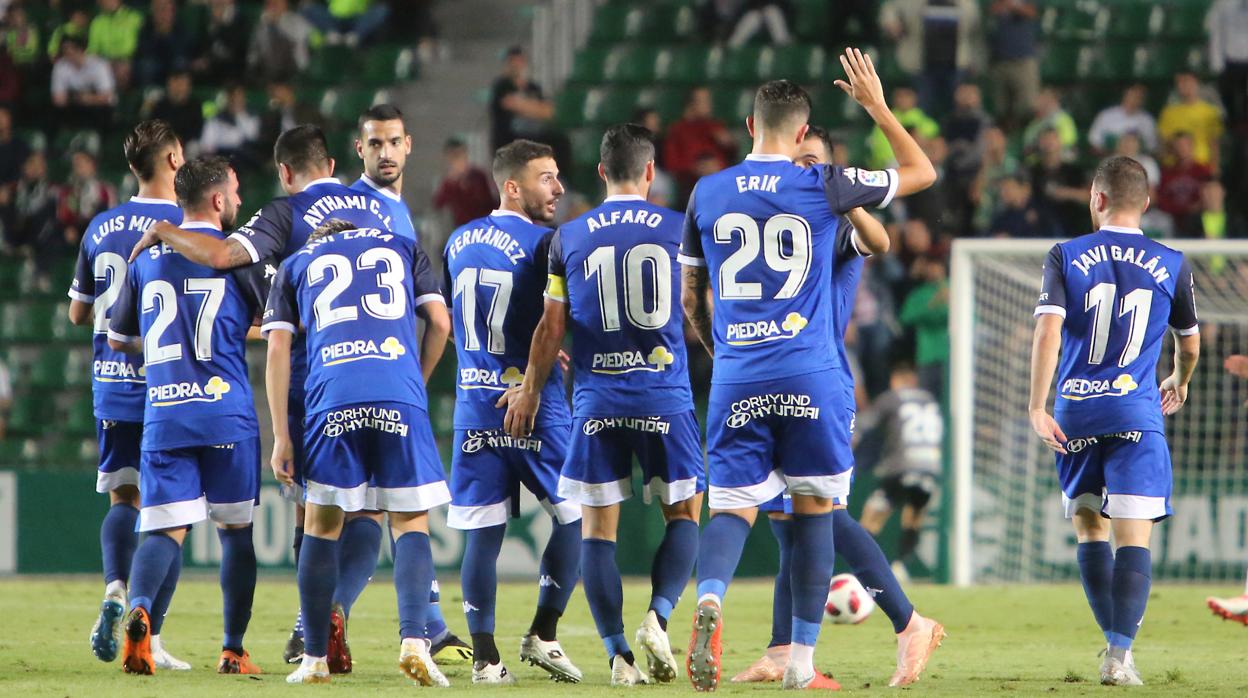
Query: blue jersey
[400, 216]
[193, 321]
[616, 268]
[282, 227]
[355, 293]
[495, 273]
[845, 275]
[117, 378]
[1117, 291]
[766, 229]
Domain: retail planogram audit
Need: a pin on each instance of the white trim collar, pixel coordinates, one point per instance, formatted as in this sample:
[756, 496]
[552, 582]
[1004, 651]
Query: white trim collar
[322, 180]
[768, 157]
[622, 197]
[505, 212]
[146, 200]
[1122, 229]
[202, 225]
[384, 191]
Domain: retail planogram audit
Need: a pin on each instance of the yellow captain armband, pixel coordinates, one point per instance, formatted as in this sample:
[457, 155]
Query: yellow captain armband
[556, 288]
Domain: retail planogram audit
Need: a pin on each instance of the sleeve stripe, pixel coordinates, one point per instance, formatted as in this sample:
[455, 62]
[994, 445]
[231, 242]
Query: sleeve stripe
[1194, 329]
[1050, 310]
[893, 182]
[81, 297]
[268, 327]
[251, 249]
[429, 298]
[853, 240]
[119, 337]
[556, 299]
[690, 261]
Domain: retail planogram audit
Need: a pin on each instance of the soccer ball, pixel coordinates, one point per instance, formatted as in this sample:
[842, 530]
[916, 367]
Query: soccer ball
[848, 601]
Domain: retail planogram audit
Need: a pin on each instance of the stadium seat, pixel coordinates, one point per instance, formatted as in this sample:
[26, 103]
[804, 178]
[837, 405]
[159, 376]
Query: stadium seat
[733, 104]
[80, 417]
[63, 330]
[77, 368]
[1060, 60]
[803, 63]
[590, 65]
[10, 274]
[611, 22]
[665, 23]
[1135, 23]
[831, 108]
[48, 371]
[611, 106]
[669, 102]
[1071, 19]
[66, 452]
[12, 453]
[630, 64]
[687, 65]
[585, 142]
[32, 415]
[570, 106]
[28, 322]
[811, 19]
[1185, 19]
[744, 65]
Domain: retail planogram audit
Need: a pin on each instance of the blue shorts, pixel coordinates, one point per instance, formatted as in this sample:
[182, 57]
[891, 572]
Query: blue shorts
[780, 504]
[1123, 476]
[183, 486]
[387, 445]
[488, 467]
[295, 424]
[791, 434]
[120, 454]
[599, 468]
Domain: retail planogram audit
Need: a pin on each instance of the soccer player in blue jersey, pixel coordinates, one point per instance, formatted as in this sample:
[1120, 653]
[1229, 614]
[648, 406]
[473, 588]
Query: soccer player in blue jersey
[612, 275]
[201, 441]
[858, 234]
[117, 381]
[495, 272]
[1105, 304]
[356, 293]
[761, 235]
[277, 230]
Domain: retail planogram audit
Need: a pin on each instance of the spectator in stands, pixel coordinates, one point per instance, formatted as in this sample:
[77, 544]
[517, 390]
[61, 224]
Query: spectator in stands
[10, 80]
[519, 109]
[176, 107]
[13, 151]
[164, 45]
[30, 221]
[1227, 24]
[925, 312]
[414, 20]
[234, 132]
[938, 44]
[1020, 215]
[1129, 144]
[83, 196]
[1182, 181]
[1192, 114]
[21, 39]
[650, 118]
[114, 36]
[83, 91]
[1213, 210]
[466, 190]
[1015, 69]
[997, 165]
[964, 131]
[1047, 113]
[695, 134]
[1127, 116]
[221, 52]
[1059, 185]
[905, 106]
[751, 16]
[279, 44]
[78, 25]
[347, 21]
[285, 112]
[663, 188]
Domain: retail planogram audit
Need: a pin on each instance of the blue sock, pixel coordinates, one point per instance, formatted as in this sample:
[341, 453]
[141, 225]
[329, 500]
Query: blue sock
[152, 562]
[605, 592]
[864, 556]
[318, 573]
[1096, 569]
[359, 545]
[413, 574]
[1133, 576]
[560, 567]
[479, 576]
[435, 624]
[238, 583]
[118, 541]
[719, 551]
[782, 594]
[160, 603]
[673, 565]
[812, 572]
[298, 544]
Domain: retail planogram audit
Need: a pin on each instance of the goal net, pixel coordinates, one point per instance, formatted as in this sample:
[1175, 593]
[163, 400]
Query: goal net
[1007, 515]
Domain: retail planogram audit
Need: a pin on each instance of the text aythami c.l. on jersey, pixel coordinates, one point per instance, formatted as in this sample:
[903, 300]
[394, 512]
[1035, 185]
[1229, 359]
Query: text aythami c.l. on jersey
[766, 230]
[1117, 291]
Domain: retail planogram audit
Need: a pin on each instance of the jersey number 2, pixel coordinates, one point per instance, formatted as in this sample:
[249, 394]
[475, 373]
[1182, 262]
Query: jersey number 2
[1100, 300]
[160, 296]
[391, 279]
[795, 263]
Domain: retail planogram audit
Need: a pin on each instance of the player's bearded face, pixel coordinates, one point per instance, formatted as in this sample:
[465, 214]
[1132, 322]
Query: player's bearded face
[229, 211]
[384, 146]
[540, 189]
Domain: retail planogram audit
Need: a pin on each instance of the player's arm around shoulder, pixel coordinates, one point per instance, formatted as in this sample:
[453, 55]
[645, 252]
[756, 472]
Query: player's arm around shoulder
[870, 236]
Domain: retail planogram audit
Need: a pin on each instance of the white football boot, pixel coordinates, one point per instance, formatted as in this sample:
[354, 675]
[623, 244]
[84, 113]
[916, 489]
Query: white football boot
[550, 657]
[492, 674]
[311, 670]
[164, 660]
[417, 665]
[652, 638]
[625, 674]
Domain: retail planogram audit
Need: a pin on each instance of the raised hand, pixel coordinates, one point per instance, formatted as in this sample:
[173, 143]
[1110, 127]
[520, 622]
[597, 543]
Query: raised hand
[864, 84]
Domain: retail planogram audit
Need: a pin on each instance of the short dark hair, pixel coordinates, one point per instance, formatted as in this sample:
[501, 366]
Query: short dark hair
[198, 177]
[145, 144]
[331, 226]
[1123, 181]
[454, 143]
[780, 103]
[511, 158]
[625, 150]
[301, 148]
[380, 112]
[822, 134]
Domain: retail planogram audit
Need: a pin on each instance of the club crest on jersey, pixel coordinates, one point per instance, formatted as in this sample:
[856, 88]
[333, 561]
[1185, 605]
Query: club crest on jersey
[791, 405]
[119, 372]
[867, 178]
[1078, 389]
[744, 334]
[477, 439]
[614, 363]
[359, 349]
[488, 379]
[171, 394]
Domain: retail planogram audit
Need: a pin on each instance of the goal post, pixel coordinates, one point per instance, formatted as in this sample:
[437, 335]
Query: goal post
[1006, 522]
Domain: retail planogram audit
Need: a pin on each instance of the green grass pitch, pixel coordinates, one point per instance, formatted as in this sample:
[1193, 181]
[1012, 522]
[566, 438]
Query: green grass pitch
[1022, 640]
